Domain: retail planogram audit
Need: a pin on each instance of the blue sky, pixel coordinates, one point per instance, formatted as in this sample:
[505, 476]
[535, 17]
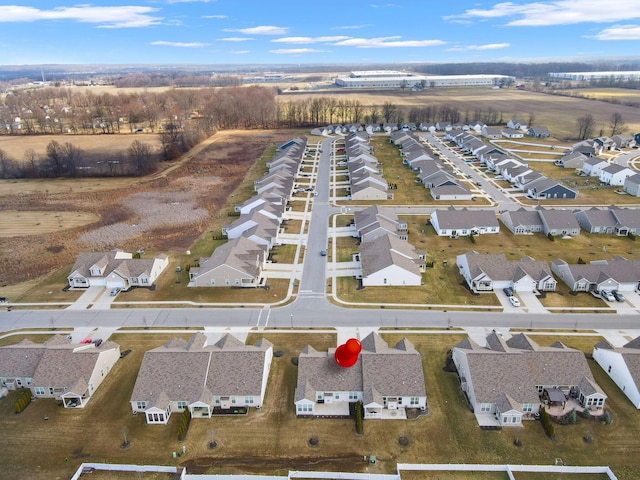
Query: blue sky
[301, 32]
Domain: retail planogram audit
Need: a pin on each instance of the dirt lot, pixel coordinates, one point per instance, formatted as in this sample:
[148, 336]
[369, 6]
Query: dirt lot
[184, 197]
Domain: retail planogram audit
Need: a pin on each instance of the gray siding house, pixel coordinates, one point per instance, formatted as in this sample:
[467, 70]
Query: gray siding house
[508, 382]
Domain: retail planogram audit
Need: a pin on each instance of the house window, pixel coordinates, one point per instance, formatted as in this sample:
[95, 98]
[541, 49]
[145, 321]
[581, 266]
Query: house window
[134, 280]
[39, 390]
[248, 400]
[212, 282]
[414, 401]
[233, 399]
[485, 407]
[237, 281]
[609, 369]
[141, 405]
[353, 395]
[385, 281]
[182, 405]
[527, 407]
[226, 281]
[549, 285]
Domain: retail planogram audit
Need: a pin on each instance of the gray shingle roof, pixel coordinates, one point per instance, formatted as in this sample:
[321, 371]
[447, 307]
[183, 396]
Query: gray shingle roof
[181, 370]
[516, 372]
[387, 371]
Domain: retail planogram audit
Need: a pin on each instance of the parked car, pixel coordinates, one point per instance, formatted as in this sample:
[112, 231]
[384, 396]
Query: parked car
[514, 301]
[315, 194]
[508, 291]
[97, 342]
[323, 253]
[607, 295]
[85, 341]
[115, 291]
[617, 295]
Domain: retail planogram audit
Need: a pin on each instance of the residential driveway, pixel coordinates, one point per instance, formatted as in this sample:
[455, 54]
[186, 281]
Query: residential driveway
[103, 302]
[529, 300]
[87, 298]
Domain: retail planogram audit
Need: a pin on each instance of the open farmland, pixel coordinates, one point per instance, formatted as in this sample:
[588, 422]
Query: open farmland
[558, 113]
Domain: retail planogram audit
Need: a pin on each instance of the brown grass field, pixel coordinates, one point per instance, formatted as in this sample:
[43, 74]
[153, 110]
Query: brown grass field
[15, 146]
[16, 224]
[273, 440]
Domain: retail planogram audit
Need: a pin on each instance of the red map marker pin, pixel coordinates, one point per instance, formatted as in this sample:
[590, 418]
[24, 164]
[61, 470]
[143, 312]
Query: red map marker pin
[346, 355]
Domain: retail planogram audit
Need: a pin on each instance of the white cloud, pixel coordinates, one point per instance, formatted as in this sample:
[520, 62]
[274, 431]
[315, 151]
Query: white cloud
[105, 17]
[620, 32]
[239, 52]
[214, 16]
[180, 44]
[351, 27]
[488, 46]
[262, 30]
[387, 42]
[560, 12]
[295, 51]
[306, 40]
[384, 5]
[235, 39]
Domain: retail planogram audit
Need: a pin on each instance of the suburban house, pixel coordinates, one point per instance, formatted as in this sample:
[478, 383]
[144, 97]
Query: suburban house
[224, 378]
[572, 160]
[375, 221]
[451, 192]
[545, 188]
[598, 220]
[512, 133]
[558, 222]
[115, 269]
[593, 166]
[387, 380]
[538, 132]
[628, 220]
[522, 221]
[237, 263]
[615, 174]
[463, 222]
[57, 368]
[615, 274]
[258, 226]
[388, 261]
[517, 124]
[491, 272]
[632, 185]
[492, 132]
[509, 381]
[622, 365]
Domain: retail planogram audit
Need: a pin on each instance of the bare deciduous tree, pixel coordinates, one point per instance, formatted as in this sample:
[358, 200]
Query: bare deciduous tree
[586, 124]
[617, 123]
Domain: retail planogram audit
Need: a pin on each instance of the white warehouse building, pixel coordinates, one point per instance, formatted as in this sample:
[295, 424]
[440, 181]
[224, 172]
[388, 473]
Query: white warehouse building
[395, 79]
